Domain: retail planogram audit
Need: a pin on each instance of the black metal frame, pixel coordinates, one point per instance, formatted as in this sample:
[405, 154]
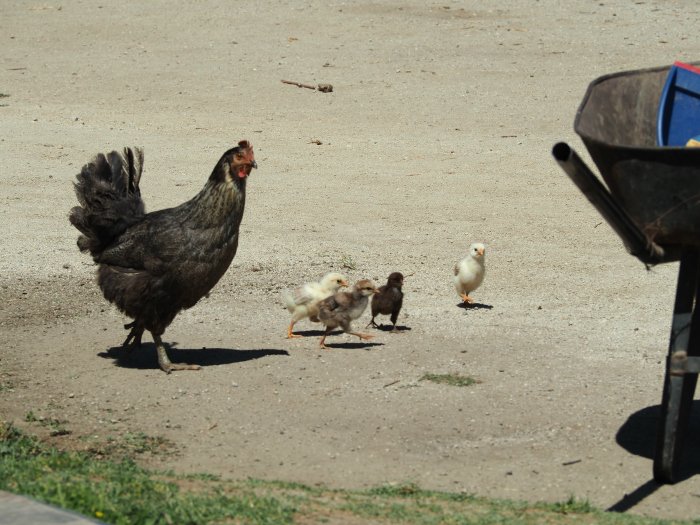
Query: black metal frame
[683, 361]
[682, 367]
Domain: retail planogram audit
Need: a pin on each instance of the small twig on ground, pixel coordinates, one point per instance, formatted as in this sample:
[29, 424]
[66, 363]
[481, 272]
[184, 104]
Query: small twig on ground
[567, 463]
[392, 383]
[323, 88]
[299, 84]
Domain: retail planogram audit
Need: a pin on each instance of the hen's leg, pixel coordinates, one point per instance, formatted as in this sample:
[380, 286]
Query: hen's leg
[165, 363]
[133, 340]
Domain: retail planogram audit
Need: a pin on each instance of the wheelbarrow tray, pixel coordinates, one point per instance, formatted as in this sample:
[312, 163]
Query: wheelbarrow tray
[658, 187]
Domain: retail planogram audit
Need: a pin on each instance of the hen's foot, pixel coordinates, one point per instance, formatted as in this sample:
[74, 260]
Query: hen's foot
[372, 323]
[165, 364]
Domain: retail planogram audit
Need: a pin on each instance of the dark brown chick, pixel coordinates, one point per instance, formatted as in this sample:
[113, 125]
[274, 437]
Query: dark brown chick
[341, 308]
[388, 300]
[152, 265]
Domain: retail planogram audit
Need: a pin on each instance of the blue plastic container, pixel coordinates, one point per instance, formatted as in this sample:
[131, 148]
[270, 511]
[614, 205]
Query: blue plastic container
[678, 118]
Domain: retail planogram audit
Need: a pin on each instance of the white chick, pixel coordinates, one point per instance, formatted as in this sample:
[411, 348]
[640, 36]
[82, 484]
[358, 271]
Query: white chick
[303, 302]
[469, 272]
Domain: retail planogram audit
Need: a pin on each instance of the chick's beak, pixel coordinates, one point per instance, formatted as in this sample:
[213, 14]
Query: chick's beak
[480, 251]
[343, 283]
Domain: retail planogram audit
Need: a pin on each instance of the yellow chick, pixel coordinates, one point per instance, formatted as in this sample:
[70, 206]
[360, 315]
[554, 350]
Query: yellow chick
[470, 271]
[303, 302]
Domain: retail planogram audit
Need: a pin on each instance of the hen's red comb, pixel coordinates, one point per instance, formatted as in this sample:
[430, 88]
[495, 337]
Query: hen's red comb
[246, 149]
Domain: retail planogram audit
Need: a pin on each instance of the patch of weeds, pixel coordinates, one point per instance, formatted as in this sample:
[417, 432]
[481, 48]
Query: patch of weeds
[450, 379]
[130, 445]
[408, 489]
[570, 506]
[55, 426]
[4, 95]
[346, 261]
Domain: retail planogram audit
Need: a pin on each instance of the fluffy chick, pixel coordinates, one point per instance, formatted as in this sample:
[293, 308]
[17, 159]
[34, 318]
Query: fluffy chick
[303, 302]
[340, 309]
[388, 300]
[469, 272]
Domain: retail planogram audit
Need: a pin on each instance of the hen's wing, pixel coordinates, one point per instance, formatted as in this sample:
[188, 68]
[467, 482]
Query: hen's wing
[160, 243]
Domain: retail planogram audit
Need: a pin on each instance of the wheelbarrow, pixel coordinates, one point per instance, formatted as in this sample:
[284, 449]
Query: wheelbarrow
[651, 199]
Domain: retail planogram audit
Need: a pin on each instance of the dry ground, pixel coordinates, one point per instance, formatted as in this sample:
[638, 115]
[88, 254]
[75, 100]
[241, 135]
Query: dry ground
[438, 133]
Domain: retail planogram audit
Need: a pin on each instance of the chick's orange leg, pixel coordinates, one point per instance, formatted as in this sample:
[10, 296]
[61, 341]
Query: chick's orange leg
[363, 337]
[466, 298]
[290, 335]
[322, 342]
[164, 361]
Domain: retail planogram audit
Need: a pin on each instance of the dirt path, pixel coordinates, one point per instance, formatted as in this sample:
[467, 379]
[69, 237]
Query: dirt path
[438, 133]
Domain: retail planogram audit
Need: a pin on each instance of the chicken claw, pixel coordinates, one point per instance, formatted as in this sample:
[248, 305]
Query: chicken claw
[291, 335]
[466, 298]
[164, 361]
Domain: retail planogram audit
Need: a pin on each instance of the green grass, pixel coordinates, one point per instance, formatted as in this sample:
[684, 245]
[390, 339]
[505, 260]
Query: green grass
[450, 379]
[122, 492]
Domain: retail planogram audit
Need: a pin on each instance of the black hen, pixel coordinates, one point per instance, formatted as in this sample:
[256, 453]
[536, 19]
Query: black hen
[389, 299]
[152, 265]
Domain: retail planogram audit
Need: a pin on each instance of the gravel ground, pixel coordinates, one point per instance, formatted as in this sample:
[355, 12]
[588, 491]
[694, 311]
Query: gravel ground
[438, 133]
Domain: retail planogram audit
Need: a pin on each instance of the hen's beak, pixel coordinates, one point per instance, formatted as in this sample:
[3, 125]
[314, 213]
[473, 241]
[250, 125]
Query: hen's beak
[254, 165]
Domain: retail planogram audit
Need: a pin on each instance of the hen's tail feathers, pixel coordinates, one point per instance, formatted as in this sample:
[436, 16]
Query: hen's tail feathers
[110, 200]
